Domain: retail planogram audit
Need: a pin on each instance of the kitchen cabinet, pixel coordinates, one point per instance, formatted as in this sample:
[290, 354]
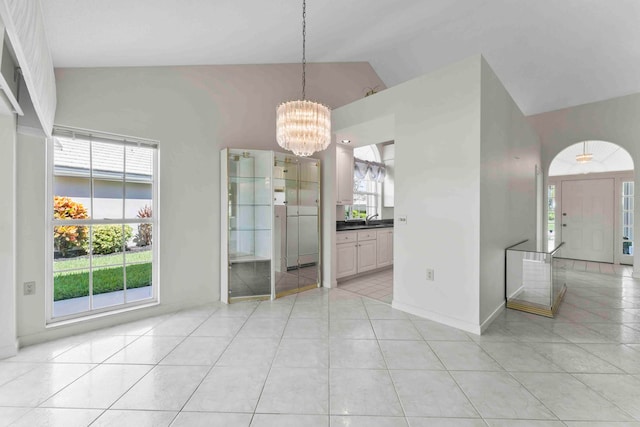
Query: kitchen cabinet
[367, 256]
[385, 247]
[363, 250]
[344, 175]
[347, 255]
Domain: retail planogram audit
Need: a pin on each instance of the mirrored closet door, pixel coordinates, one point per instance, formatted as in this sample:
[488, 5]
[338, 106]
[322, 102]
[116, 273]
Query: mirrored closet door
[270, 224]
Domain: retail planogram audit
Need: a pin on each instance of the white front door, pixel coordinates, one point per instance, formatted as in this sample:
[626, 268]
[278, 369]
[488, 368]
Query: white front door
[588, 219]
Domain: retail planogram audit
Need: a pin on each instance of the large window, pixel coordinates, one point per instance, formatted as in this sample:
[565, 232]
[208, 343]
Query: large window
[367, 183]
[103, 223]
[627, 218]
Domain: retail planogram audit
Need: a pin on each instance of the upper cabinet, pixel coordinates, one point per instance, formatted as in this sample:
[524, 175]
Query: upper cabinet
[344, 175]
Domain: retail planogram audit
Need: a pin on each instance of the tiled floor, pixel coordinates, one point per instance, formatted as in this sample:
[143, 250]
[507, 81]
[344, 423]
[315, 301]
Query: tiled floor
[377, 285]
[333, 358]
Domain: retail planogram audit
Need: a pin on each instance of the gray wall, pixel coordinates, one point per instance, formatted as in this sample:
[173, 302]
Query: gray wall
[510, 151]
[193, 112]
[7, 235]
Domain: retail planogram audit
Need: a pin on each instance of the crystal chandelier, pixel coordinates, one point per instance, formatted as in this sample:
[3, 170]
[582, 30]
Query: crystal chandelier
[303, 126]
[584, 157]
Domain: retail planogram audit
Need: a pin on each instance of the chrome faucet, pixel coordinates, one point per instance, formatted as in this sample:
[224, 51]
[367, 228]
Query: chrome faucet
[369, 218]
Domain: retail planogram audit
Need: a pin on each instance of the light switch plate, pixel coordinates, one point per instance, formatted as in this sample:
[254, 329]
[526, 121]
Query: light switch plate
[29, 288]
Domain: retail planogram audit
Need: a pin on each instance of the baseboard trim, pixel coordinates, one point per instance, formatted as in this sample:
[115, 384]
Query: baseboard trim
[489, 320]
[93, 324]
[436, 317]
[9, 350]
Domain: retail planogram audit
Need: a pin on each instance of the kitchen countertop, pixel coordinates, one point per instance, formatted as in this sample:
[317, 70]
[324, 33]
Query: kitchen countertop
[361, 225]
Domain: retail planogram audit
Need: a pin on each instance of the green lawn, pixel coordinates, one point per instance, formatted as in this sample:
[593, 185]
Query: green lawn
[101, 260]
[76, 284]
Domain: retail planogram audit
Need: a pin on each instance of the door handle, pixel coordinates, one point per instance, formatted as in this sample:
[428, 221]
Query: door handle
[564, 225]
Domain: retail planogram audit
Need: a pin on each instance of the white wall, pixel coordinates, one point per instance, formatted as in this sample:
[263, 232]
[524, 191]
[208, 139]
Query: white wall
[193, 112]
[437, 187]
[509, 155]
[614, 120]
[466, 197]
[8, 235]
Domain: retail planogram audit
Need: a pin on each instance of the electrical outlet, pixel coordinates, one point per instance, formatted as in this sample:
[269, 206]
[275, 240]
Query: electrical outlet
[29, 288]
[430, 274]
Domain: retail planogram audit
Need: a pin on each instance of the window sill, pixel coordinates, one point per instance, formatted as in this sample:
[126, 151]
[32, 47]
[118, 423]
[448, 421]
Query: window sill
[52, 324]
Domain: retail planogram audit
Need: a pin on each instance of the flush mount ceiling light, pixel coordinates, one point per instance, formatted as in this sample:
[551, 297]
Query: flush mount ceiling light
[303, 126]
[584, 157]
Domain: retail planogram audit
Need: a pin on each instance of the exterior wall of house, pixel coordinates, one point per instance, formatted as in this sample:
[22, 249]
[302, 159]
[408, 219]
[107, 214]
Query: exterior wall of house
[194, 112]
[510, 157]
[614, 120]
[107, 195]
[7, 235]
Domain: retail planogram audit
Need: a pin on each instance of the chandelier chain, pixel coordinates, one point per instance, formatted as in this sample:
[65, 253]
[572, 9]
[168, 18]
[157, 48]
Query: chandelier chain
[304, 42]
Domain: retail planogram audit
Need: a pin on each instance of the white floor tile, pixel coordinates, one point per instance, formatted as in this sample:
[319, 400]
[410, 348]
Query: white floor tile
[197, 351]
[229, 389]
[431, 394]
[363, 392]
[358, 354]
[146, 350]
[287, 420]
[295, 391]
[302, 353]
[365, 421]
[119, 418]
[56, 417]
[99, 388]
[38, 385]
[164, 388]
[209, 419]
[569, 399]
[498, 395]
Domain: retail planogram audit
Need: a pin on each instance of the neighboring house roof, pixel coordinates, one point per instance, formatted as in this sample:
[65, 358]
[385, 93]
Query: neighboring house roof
[72, 158]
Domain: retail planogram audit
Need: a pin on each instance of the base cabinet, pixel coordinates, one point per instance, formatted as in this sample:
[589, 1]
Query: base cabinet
[367, 256]
[385, 248]
[347, 255]
[361, 251]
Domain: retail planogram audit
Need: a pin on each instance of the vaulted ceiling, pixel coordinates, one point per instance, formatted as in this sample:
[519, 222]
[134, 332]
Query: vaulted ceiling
[549, 54]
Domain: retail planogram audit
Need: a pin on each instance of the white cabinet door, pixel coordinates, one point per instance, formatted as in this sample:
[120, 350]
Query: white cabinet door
[347, 259]
[344, 175]
[385, 248]
[367, 255]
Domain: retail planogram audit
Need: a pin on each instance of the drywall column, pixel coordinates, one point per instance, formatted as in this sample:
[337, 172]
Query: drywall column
[8, 341]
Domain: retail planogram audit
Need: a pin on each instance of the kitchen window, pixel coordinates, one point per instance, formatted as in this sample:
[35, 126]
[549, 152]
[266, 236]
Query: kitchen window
[103, 223]
[367, 183]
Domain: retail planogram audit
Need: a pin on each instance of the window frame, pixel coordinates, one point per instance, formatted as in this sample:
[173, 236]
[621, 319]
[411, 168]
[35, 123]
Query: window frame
[377, 194]
[50, 223]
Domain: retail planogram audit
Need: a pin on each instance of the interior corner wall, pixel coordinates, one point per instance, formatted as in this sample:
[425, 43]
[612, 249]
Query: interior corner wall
[194, 111]
[614, 120]
[8, 343]
[510, 151]
[437, 188]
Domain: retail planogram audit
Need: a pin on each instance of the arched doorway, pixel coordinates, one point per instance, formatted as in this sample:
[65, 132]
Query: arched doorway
[591, 202]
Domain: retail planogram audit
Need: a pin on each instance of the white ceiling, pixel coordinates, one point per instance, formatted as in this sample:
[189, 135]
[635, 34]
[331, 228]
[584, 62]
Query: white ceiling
[549, 54]
[607, 157]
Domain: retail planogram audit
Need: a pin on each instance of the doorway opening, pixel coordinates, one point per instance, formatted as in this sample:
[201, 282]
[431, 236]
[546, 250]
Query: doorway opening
[590, 203]
[368, 224]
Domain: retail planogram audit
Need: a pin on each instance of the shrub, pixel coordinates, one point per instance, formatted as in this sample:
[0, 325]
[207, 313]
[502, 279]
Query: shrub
[143, 238]
[69, 237]
[108, 239]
